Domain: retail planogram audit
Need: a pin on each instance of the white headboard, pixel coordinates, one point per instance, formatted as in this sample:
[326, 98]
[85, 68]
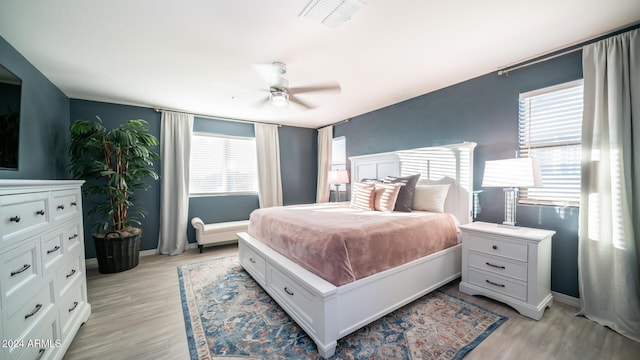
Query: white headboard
[444, 164]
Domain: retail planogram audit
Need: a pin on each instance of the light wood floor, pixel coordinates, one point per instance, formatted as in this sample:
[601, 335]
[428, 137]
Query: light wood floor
[137, 314]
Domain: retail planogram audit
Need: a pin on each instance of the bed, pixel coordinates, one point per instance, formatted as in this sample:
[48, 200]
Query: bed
[329, 308]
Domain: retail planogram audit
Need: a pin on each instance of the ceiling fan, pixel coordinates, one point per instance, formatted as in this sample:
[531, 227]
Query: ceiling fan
[280, 94]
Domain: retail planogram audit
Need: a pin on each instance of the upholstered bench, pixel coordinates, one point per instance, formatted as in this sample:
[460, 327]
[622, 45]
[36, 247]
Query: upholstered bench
[217, 233]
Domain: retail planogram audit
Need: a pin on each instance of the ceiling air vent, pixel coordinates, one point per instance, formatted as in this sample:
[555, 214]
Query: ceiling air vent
[332, 13]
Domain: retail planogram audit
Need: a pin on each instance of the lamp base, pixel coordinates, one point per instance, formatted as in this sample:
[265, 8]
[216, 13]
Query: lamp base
[510, 204]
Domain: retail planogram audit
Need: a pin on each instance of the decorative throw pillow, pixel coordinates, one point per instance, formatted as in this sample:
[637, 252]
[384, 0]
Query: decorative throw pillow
[405, 197]
[430, 197]
[385, 196]
[362, 196]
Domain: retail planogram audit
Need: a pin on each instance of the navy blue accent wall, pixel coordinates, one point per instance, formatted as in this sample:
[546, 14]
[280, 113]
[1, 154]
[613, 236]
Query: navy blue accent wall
[483, 110]
[112, 116]
[298, 164]
[44, 121]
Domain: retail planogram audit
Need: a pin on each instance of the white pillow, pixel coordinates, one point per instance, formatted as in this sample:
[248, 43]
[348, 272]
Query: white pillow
[362, 196]
[386, 196]
[430, 197]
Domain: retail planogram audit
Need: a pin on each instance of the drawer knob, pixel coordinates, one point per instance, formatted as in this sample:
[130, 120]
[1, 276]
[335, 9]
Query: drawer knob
[73, 271]
[495, 284]
[252, 260]
[56, 248]
[40, 212]
[74, 204]
[21, 270]
[35, 311]
[73, 236]
[15, 219]
[495, 266]
[494, 247]
[75, 305]
[288, 291]
[60, 207]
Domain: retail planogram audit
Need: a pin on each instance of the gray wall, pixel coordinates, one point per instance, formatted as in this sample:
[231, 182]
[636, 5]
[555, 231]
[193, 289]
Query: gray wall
[483, 110]
[298, 151]
[44, 121]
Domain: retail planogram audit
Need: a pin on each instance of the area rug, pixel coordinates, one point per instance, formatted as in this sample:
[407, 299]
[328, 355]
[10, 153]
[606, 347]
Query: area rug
[229, 316]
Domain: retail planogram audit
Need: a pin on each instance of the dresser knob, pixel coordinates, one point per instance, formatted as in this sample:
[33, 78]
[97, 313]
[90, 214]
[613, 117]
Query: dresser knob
[40, 212]
[15, 218]
[494, 247]
[60, 207]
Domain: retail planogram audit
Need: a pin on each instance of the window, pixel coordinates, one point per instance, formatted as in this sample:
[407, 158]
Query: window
[339, 157]
[550, 130]
[223, 165]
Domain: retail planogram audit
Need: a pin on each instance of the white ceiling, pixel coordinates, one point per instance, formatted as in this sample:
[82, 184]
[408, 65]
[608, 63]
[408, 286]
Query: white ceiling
[196, 56]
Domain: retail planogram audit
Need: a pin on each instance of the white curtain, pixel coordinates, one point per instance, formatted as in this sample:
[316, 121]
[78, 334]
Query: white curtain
[268, 150]
[609, 231]
[325, 143]
[175, 150]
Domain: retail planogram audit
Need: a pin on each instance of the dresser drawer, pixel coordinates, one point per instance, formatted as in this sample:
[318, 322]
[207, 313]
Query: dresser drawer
[25, 314]
[21, 272]
[41, 342]
[65, 204]
[499, 284]
[51, 248]
[21, 214]
[293, 296]
[72, 238]
[496, 245]
[498, 265]
[253, 263]
[71, 270]
[70, 307]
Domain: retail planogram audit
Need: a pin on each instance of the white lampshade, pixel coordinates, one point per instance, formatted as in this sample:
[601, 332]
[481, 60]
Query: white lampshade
[520, 172]
[338, 177]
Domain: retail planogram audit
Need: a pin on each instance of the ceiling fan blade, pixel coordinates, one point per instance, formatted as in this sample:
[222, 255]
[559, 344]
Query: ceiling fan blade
[271, 73]
[330, 88]
[262, 103]
[293, 99]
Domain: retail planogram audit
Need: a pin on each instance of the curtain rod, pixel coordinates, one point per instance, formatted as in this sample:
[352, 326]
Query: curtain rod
[565, 50]
[336, 123]
[157, 109]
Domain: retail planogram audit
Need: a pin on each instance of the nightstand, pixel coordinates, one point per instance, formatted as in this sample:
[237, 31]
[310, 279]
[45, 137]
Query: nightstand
[508, 264]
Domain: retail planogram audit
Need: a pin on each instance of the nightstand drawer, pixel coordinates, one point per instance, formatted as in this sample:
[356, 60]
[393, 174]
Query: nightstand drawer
[498, 265]
[498, 246]
[499, 284]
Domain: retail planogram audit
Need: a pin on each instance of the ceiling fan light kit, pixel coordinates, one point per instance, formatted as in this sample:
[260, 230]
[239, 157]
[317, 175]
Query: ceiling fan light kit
[279, 97]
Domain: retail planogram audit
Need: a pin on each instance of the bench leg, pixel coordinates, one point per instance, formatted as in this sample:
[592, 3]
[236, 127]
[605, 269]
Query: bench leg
[200, 247]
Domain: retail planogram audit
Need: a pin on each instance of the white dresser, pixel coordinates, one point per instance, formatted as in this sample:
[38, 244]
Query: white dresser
[508, 264]
[43, 286]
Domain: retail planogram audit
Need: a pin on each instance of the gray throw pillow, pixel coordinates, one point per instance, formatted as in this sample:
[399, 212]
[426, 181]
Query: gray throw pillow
[408, 189]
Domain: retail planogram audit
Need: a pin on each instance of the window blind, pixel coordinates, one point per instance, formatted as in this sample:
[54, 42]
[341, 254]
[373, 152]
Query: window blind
[222, 164]
[339, 157]
[550, 130]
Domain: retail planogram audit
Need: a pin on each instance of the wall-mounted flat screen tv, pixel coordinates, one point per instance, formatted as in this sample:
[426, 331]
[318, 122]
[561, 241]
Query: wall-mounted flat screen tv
[10, 93]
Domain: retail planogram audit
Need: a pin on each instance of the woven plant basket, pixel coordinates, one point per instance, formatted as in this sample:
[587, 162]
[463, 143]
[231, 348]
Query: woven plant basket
[116, 253]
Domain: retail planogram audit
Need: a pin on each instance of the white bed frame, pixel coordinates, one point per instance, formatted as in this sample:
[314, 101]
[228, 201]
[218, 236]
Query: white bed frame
[328, 313]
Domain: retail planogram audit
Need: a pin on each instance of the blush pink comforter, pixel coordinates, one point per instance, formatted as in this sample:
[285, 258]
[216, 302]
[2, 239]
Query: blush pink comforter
[342, 244]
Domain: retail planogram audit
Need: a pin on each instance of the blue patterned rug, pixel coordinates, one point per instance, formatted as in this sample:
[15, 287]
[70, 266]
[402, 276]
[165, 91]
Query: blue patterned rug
[228, 315]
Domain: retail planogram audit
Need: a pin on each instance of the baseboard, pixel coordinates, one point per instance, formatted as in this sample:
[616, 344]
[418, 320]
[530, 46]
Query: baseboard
[566, 299]
[94, 261]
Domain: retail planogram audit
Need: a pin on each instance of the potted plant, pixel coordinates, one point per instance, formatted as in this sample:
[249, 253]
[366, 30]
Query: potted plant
[115, 163]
